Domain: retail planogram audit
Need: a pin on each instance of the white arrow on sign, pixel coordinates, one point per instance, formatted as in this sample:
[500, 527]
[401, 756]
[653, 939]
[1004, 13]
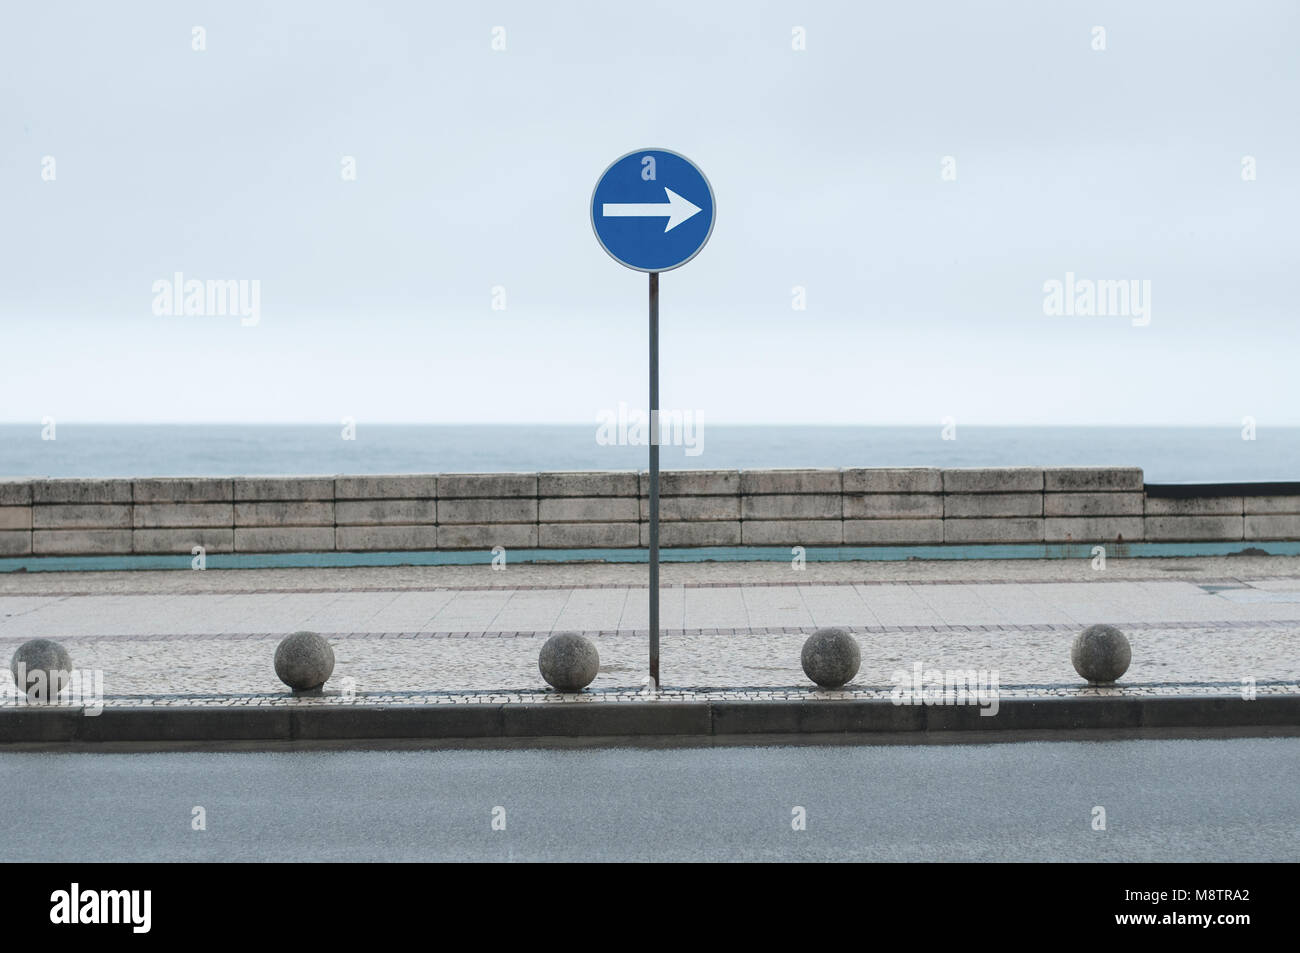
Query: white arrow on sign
[676, 208]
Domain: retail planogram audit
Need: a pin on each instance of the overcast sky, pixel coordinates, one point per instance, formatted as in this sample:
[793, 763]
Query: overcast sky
[475, 166]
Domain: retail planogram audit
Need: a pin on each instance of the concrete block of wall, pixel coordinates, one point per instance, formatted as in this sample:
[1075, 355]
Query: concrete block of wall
[1258, 505]
[792, 532]
[82, 516]
[1089, 529]
[892, 532]
[790, 481]
[166, 541]
[385, 512]
[15, 543]
[459, 486]
[694, 482]
[700, 508]
[1273, 526]
[893, 480]
[176, 515]
[267, 489]
[300, 513]
[589, 509]
[993, 480]
[588, 535]
[1202, 528]
[1195, 506]
[712, 533]
[803, 506]
[521, 510]
[385, 538]
[584, 483]
[184, 490]
[395, 486]
[1092, 504]
[1085, 479]
[892, 506]
[15, 492]
[485, 536]
[81, 542]
[276, 539]
[81, 491]
[994, 530]
[961, 505]
[15, 517]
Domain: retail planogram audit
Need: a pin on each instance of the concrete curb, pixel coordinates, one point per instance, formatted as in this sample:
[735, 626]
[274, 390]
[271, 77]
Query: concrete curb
[631, 719]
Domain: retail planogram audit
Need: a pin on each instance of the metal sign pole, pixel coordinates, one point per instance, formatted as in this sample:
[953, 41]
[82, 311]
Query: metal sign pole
[654, 481]
[645, 215]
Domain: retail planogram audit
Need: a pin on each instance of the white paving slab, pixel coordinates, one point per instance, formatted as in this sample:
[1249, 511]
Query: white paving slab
[625, 608]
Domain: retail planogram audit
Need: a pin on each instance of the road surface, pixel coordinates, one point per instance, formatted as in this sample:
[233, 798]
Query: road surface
[1186, 800]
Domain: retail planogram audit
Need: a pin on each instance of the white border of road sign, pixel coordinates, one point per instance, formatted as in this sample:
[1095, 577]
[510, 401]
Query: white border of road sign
[591, 209]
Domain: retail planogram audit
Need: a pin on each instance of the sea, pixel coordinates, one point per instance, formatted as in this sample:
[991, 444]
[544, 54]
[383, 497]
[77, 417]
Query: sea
[1166, 454]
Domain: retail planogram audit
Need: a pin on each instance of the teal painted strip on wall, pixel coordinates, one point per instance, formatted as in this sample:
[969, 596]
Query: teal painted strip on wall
[703, 554]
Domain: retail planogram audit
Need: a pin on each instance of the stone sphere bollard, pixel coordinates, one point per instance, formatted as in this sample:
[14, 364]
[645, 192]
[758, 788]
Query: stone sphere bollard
[41, 669]
[568, 661]
[831, 657]
[1101, 654]
[304, 661]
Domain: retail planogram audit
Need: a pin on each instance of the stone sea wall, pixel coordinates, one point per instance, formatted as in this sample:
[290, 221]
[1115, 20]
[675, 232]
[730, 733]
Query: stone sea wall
[609, 510]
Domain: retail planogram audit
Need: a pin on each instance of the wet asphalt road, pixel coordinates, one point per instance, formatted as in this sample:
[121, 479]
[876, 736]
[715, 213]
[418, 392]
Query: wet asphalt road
[1165, 800]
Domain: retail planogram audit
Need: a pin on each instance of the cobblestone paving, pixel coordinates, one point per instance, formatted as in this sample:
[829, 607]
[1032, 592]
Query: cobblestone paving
[424, 664]
[504, 697]
[1195, 627]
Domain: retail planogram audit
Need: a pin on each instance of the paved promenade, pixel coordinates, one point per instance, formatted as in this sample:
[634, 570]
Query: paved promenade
[421, 634]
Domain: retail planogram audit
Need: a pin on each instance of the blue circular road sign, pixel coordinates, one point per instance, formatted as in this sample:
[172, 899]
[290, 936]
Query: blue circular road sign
[652, 210]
